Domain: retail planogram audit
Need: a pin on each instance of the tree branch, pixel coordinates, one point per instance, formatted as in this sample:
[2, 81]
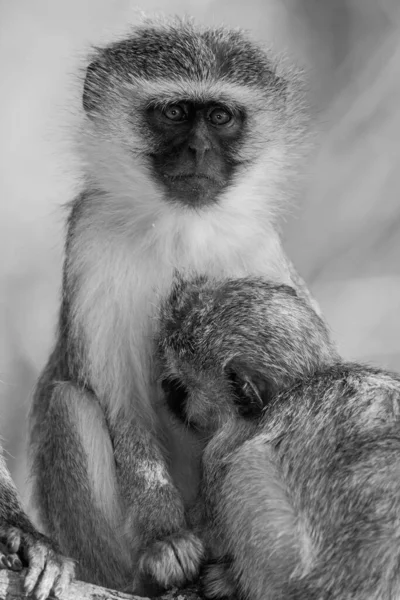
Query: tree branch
[11, 588]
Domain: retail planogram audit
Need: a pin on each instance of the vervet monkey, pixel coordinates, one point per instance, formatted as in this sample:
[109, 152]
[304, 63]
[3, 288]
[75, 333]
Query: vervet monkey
[189, 142]
[304, 502]
[21, 545]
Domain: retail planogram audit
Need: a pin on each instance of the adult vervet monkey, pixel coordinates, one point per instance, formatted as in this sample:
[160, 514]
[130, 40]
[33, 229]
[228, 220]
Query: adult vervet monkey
[190, 139]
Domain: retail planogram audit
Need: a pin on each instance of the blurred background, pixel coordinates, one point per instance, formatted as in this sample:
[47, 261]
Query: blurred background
[343, 232]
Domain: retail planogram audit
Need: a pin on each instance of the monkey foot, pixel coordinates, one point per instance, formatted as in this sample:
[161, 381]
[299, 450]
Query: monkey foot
[47, 570]
[216, 581]
[173, 561]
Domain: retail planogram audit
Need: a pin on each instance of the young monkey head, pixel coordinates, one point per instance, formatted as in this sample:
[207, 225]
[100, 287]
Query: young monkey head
[227, 347]
[181, 114]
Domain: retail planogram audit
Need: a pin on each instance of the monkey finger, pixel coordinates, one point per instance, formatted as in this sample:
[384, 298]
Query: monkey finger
[36, 556]
[47, 580]
[67, 573]
[10, 561]
[11, 537]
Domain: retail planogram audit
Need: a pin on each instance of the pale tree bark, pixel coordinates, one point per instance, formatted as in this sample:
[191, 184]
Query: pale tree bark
[11, 588]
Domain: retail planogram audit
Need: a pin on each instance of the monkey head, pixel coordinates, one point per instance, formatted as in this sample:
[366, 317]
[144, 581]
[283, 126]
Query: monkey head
[227, 347]
[188, 112]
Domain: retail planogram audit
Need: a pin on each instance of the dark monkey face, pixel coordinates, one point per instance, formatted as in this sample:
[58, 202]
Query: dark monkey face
[226, 348]
[205, 404]
[189, 109]
[195, 155]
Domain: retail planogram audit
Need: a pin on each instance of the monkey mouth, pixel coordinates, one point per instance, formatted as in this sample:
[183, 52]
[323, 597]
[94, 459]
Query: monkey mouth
[194, 189]
[200, 183]
[191, 177]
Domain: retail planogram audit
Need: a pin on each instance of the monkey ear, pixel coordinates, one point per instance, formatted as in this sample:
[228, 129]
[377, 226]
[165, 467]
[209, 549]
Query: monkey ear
[252, 391]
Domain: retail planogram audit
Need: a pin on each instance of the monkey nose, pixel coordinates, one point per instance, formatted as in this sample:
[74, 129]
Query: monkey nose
[199, 146]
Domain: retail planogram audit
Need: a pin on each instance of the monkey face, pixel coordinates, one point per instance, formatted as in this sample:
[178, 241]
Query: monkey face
[226, 348]
[195, 111]
[196, 154]
[203, 401]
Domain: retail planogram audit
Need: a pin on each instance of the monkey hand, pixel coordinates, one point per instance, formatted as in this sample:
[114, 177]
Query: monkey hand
[174, 560]
[47, 570]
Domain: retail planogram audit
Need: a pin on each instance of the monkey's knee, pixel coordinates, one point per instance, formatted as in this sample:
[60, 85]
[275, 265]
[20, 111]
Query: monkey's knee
[75, 487]
[76, 444]
[173, 561]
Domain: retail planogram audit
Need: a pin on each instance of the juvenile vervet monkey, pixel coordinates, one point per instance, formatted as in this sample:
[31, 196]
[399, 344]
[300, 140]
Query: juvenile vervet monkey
[190, 139]
[21, 545]
[304, 503]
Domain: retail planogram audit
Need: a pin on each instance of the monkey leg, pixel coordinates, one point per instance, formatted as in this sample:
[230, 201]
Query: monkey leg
[168, 554]
[75, 486]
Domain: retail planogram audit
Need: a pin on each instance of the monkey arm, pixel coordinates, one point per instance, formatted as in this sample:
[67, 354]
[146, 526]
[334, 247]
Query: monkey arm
[216, 464]
[244, 498]
[169, 553]
[11, 512]
[145, 483]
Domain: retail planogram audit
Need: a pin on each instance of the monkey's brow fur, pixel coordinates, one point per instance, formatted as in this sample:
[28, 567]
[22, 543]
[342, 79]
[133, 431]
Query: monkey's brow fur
[305, 503]
[179, 48]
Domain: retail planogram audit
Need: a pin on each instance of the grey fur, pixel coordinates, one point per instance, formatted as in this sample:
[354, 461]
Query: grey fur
[114, 477]
[181, 49]
[303, 503]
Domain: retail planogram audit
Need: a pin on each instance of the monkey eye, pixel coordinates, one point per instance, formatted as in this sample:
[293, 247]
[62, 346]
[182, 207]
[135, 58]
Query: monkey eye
[219, 116]
[247, 398]
[175, 112]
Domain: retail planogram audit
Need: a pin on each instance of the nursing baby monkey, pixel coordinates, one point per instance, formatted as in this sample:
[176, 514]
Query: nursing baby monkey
[300, 493]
